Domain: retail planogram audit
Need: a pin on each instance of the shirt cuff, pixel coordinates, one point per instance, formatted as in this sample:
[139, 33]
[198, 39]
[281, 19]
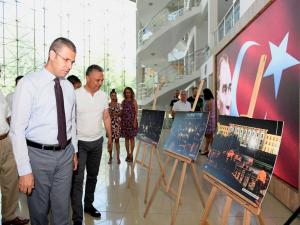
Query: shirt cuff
[24, 170]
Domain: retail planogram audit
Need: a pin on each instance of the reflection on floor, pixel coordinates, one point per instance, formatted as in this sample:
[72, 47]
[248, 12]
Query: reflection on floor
[120, 205]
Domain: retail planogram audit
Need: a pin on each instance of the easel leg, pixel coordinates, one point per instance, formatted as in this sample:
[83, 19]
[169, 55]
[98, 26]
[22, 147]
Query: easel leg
[134, 163]
[157, 185]
[172, 175]
[208, 205]
[261, 218]
[247, 217]
[197, 183]
[226, 210]
[180, 187]
[160, 165]
[144, 154]
[148, 175]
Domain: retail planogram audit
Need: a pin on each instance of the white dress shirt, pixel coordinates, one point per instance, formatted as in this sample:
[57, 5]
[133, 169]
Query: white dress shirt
[34, 115]
[4, 114]
[182, 106]
[9, 99]
[89, 114]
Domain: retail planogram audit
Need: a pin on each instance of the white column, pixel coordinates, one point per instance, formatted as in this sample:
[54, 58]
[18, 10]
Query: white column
[212, 21]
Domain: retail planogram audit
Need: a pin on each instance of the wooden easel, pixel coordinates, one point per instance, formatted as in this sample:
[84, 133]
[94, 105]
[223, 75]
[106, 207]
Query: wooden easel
[166, 187]
[249, 207]
[143, 164]
[147, 166]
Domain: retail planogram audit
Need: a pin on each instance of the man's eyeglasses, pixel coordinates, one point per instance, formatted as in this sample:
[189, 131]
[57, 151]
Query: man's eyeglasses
[65, 59]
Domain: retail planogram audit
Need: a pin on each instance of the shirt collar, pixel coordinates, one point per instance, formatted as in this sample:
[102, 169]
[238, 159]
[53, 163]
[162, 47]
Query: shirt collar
[50, 76]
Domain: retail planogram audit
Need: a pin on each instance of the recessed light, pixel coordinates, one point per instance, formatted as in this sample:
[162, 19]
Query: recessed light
[153, 54]
[150, 3]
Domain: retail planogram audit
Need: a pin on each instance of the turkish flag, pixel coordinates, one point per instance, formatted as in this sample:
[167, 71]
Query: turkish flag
[275, 33]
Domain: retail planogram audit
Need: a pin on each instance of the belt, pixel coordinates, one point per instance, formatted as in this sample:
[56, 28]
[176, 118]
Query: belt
[47, 147]
[3, 136]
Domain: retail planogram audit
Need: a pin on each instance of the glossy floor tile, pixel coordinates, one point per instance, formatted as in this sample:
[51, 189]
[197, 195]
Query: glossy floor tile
[120, 205]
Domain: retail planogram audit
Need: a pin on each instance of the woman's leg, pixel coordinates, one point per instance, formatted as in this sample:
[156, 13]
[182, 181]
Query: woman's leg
[117, 142]
[110, 152]
[132, 145]
[127, 148]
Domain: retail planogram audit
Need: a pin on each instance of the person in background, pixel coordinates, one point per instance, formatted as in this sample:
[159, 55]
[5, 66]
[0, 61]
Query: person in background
[8, 171]
[75, 81]
[175, 98]
[182, 105]
[211, 125]
[191, 99]
[115, 115]
[91, 111]
[9, 97]
[129, 123]
[43, 134]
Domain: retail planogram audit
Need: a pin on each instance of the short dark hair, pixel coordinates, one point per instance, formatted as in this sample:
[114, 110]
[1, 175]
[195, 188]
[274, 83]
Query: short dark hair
[18, 78]
[73, 79]
[194, 88]
[113, 91]
[93, 67]
[58, 43]
[207, 94]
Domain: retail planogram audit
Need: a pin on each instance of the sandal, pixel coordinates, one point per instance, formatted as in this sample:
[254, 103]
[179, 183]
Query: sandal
[118, 161]
[110, 160]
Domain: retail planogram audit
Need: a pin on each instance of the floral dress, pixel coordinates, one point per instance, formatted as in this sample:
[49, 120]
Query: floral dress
[115, 120]
[211, 125]
[127, 120]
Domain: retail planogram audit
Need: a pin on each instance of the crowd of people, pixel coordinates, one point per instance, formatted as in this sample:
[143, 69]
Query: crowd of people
[51, 133]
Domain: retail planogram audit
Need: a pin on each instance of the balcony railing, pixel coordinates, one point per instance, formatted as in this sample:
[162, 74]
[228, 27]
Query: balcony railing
[228, 22]
[164, 16]
[172, 73]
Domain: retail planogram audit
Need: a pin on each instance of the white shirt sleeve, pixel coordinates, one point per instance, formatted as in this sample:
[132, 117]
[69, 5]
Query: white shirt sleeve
[21, 111]
[73, 131]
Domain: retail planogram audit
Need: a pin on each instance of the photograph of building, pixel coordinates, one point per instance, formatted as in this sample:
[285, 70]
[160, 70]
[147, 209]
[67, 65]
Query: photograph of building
[186, 134]
[243, 155]
[150, 126]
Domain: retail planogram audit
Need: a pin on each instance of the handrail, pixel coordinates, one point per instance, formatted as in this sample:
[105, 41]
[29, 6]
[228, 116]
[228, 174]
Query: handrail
[162, 16]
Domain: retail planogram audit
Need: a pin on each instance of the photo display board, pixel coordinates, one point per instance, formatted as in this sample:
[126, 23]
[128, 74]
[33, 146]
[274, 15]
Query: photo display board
[187, 133]
[243, 155]
[150, 127]
[277, 37]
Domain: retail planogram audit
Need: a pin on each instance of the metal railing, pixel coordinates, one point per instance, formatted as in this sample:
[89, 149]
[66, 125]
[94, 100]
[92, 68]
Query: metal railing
[228, 22]
[170, 74]
[164, 16]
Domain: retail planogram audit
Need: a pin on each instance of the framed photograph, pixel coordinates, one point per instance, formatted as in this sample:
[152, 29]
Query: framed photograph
[245, 163]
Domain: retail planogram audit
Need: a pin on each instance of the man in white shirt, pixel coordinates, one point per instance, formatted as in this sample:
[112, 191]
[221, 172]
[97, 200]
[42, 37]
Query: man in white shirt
[44, 136]
[8, 171]
[91, 110]
[9, 97]
[182, 104]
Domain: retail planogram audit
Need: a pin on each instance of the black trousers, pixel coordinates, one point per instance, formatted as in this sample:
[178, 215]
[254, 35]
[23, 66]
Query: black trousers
[89, 157]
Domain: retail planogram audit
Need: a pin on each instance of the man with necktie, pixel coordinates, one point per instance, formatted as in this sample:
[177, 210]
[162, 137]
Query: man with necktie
[44, 135]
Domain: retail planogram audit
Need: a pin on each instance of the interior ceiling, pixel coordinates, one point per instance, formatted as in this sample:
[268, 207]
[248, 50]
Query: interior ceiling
[146, 9]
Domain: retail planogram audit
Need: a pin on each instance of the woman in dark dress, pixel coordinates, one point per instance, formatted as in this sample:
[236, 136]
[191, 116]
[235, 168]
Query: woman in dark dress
[115, 115]
[129, 124]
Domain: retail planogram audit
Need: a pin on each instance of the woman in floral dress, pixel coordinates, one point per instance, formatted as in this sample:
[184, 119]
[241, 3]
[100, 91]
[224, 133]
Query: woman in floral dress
[129, 124]
[115, 115]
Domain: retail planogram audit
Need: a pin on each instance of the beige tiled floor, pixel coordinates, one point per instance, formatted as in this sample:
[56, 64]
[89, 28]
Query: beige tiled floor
[120, 205]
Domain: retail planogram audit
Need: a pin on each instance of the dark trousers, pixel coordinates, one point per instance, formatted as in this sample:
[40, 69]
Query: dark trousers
[89, 157]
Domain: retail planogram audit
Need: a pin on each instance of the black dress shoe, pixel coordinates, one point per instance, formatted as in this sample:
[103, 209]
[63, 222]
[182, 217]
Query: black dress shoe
[77, 223]
[92, 211]
[16, 221]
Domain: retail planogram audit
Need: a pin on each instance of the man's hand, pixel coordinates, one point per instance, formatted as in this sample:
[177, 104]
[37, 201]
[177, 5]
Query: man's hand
[75, 162]
[26, 183]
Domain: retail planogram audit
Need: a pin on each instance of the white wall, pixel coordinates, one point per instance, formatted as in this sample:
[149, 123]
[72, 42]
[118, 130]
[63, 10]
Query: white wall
[244, 5]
